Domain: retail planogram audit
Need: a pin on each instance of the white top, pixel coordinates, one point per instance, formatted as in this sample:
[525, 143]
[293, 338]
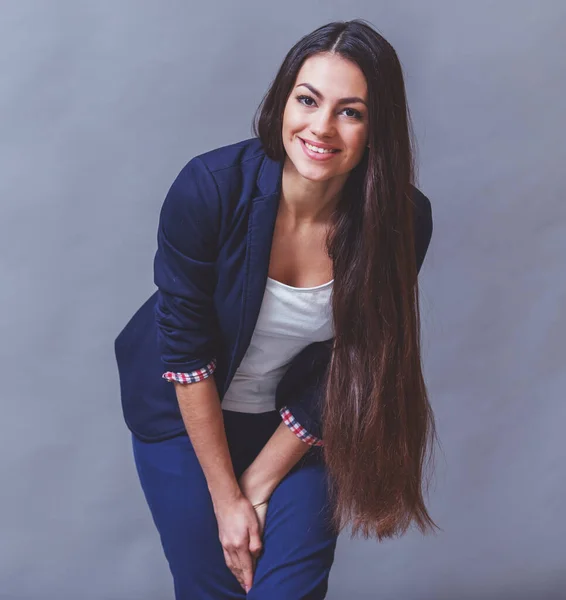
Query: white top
[289, 319]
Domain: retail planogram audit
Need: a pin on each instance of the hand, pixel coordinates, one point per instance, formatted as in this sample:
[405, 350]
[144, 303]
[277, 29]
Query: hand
[238, 529]
[258, 495]
[261, 512]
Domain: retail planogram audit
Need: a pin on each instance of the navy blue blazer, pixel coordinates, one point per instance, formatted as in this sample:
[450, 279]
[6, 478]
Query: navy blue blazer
[211, 267]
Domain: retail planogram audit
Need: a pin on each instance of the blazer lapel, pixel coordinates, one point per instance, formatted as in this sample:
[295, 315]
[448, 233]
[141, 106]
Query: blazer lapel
[261, 226]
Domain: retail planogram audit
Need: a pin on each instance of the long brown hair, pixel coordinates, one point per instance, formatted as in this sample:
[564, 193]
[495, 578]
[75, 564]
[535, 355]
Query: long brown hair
[378, 426]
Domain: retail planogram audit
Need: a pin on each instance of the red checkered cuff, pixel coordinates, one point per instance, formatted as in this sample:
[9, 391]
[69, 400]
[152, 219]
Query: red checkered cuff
[193, 376]
[298, 429]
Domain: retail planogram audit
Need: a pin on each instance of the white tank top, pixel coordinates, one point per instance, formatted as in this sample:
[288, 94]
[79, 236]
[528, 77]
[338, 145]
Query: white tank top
[289, 319]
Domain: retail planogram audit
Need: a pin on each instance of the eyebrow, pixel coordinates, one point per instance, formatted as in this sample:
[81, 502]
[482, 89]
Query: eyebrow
[349, 100]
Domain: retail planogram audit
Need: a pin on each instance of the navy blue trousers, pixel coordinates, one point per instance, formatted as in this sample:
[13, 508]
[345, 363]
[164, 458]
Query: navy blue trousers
[298, 540]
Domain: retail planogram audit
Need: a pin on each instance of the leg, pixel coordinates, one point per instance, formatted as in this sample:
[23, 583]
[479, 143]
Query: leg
[299, 542]
[177, 494]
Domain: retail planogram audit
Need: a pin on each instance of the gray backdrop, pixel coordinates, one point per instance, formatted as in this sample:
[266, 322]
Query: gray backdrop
[103, 102]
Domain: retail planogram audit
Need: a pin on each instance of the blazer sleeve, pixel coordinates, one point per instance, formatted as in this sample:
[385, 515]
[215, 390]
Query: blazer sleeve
[184, 272]
[301, 390]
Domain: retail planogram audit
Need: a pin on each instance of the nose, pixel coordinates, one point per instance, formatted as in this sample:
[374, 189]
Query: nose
[322, 125]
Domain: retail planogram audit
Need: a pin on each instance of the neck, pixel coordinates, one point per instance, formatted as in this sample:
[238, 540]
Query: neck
[305, 201]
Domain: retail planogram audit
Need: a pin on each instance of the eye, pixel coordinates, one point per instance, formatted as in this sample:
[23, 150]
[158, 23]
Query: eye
[357, 114]
[301, 98]
[306, 101]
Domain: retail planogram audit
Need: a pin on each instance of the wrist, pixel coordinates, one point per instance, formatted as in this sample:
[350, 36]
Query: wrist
[255, 486]
[225, 495]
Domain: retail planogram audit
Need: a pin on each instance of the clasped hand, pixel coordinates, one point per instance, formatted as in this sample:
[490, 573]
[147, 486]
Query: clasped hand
[240, 528]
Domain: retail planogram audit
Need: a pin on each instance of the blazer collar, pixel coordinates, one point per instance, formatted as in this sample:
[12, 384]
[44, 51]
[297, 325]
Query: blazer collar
[261, 226]
[270, 176]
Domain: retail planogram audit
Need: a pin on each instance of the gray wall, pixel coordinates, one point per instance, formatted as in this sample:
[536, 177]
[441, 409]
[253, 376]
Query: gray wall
[103, 102]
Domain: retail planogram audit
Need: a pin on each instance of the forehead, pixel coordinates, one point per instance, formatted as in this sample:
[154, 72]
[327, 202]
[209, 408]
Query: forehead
[333, 75]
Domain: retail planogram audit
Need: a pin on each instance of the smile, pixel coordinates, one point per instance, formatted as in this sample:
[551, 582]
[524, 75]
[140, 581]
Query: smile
[317, 153]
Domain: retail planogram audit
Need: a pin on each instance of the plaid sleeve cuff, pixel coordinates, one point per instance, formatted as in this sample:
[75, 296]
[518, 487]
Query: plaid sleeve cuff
[298, 429]
[193, 376]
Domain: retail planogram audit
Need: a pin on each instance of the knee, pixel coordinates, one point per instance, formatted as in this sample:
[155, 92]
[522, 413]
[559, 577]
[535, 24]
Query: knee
[297, 578]
[285, 590]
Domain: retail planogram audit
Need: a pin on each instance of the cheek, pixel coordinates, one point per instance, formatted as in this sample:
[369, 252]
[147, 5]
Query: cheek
[358, 141]
[292, 120]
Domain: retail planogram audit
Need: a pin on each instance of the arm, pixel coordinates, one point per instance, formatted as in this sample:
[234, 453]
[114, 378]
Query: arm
[299, 395]
[281, 453]
[202, 415]
[238, 526]
[184, 272]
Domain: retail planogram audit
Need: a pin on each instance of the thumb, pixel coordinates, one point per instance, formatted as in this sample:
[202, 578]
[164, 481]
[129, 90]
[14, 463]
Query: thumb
[255, 544]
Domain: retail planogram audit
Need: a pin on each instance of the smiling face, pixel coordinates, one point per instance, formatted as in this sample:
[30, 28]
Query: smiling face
[326, 109]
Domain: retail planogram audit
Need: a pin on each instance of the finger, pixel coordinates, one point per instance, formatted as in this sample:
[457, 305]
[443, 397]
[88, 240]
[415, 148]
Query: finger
[228, 560]
[245, 559]
[238, 568]
[256, 545]
[230, 564]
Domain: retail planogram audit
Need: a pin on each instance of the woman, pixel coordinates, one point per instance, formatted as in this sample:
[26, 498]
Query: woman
[273, 383]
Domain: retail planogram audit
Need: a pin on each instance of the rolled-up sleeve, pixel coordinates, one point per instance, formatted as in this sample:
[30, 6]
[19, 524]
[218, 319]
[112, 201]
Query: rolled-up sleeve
[193, 376]
[300, 392]
[294, 425]
[184, 272]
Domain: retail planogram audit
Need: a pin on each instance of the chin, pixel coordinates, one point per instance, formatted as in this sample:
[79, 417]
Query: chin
[316, 175]
[310, 170]
[313, 172]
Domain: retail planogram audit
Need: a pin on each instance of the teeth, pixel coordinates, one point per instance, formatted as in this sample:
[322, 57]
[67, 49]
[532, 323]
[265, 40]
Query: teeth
[319, 150]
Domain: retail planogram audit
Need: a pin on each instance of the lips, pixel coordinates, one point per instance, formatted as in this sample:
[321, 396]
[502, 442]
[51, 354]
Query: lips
[317, 156]
[320, 145]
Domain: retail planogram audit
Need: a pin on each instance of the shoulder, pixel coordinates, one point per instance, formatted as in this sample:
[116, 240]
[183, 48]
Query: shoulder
[422, 207]
[422, 210]
[226, 176]
[211, 179]
[239, 155]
